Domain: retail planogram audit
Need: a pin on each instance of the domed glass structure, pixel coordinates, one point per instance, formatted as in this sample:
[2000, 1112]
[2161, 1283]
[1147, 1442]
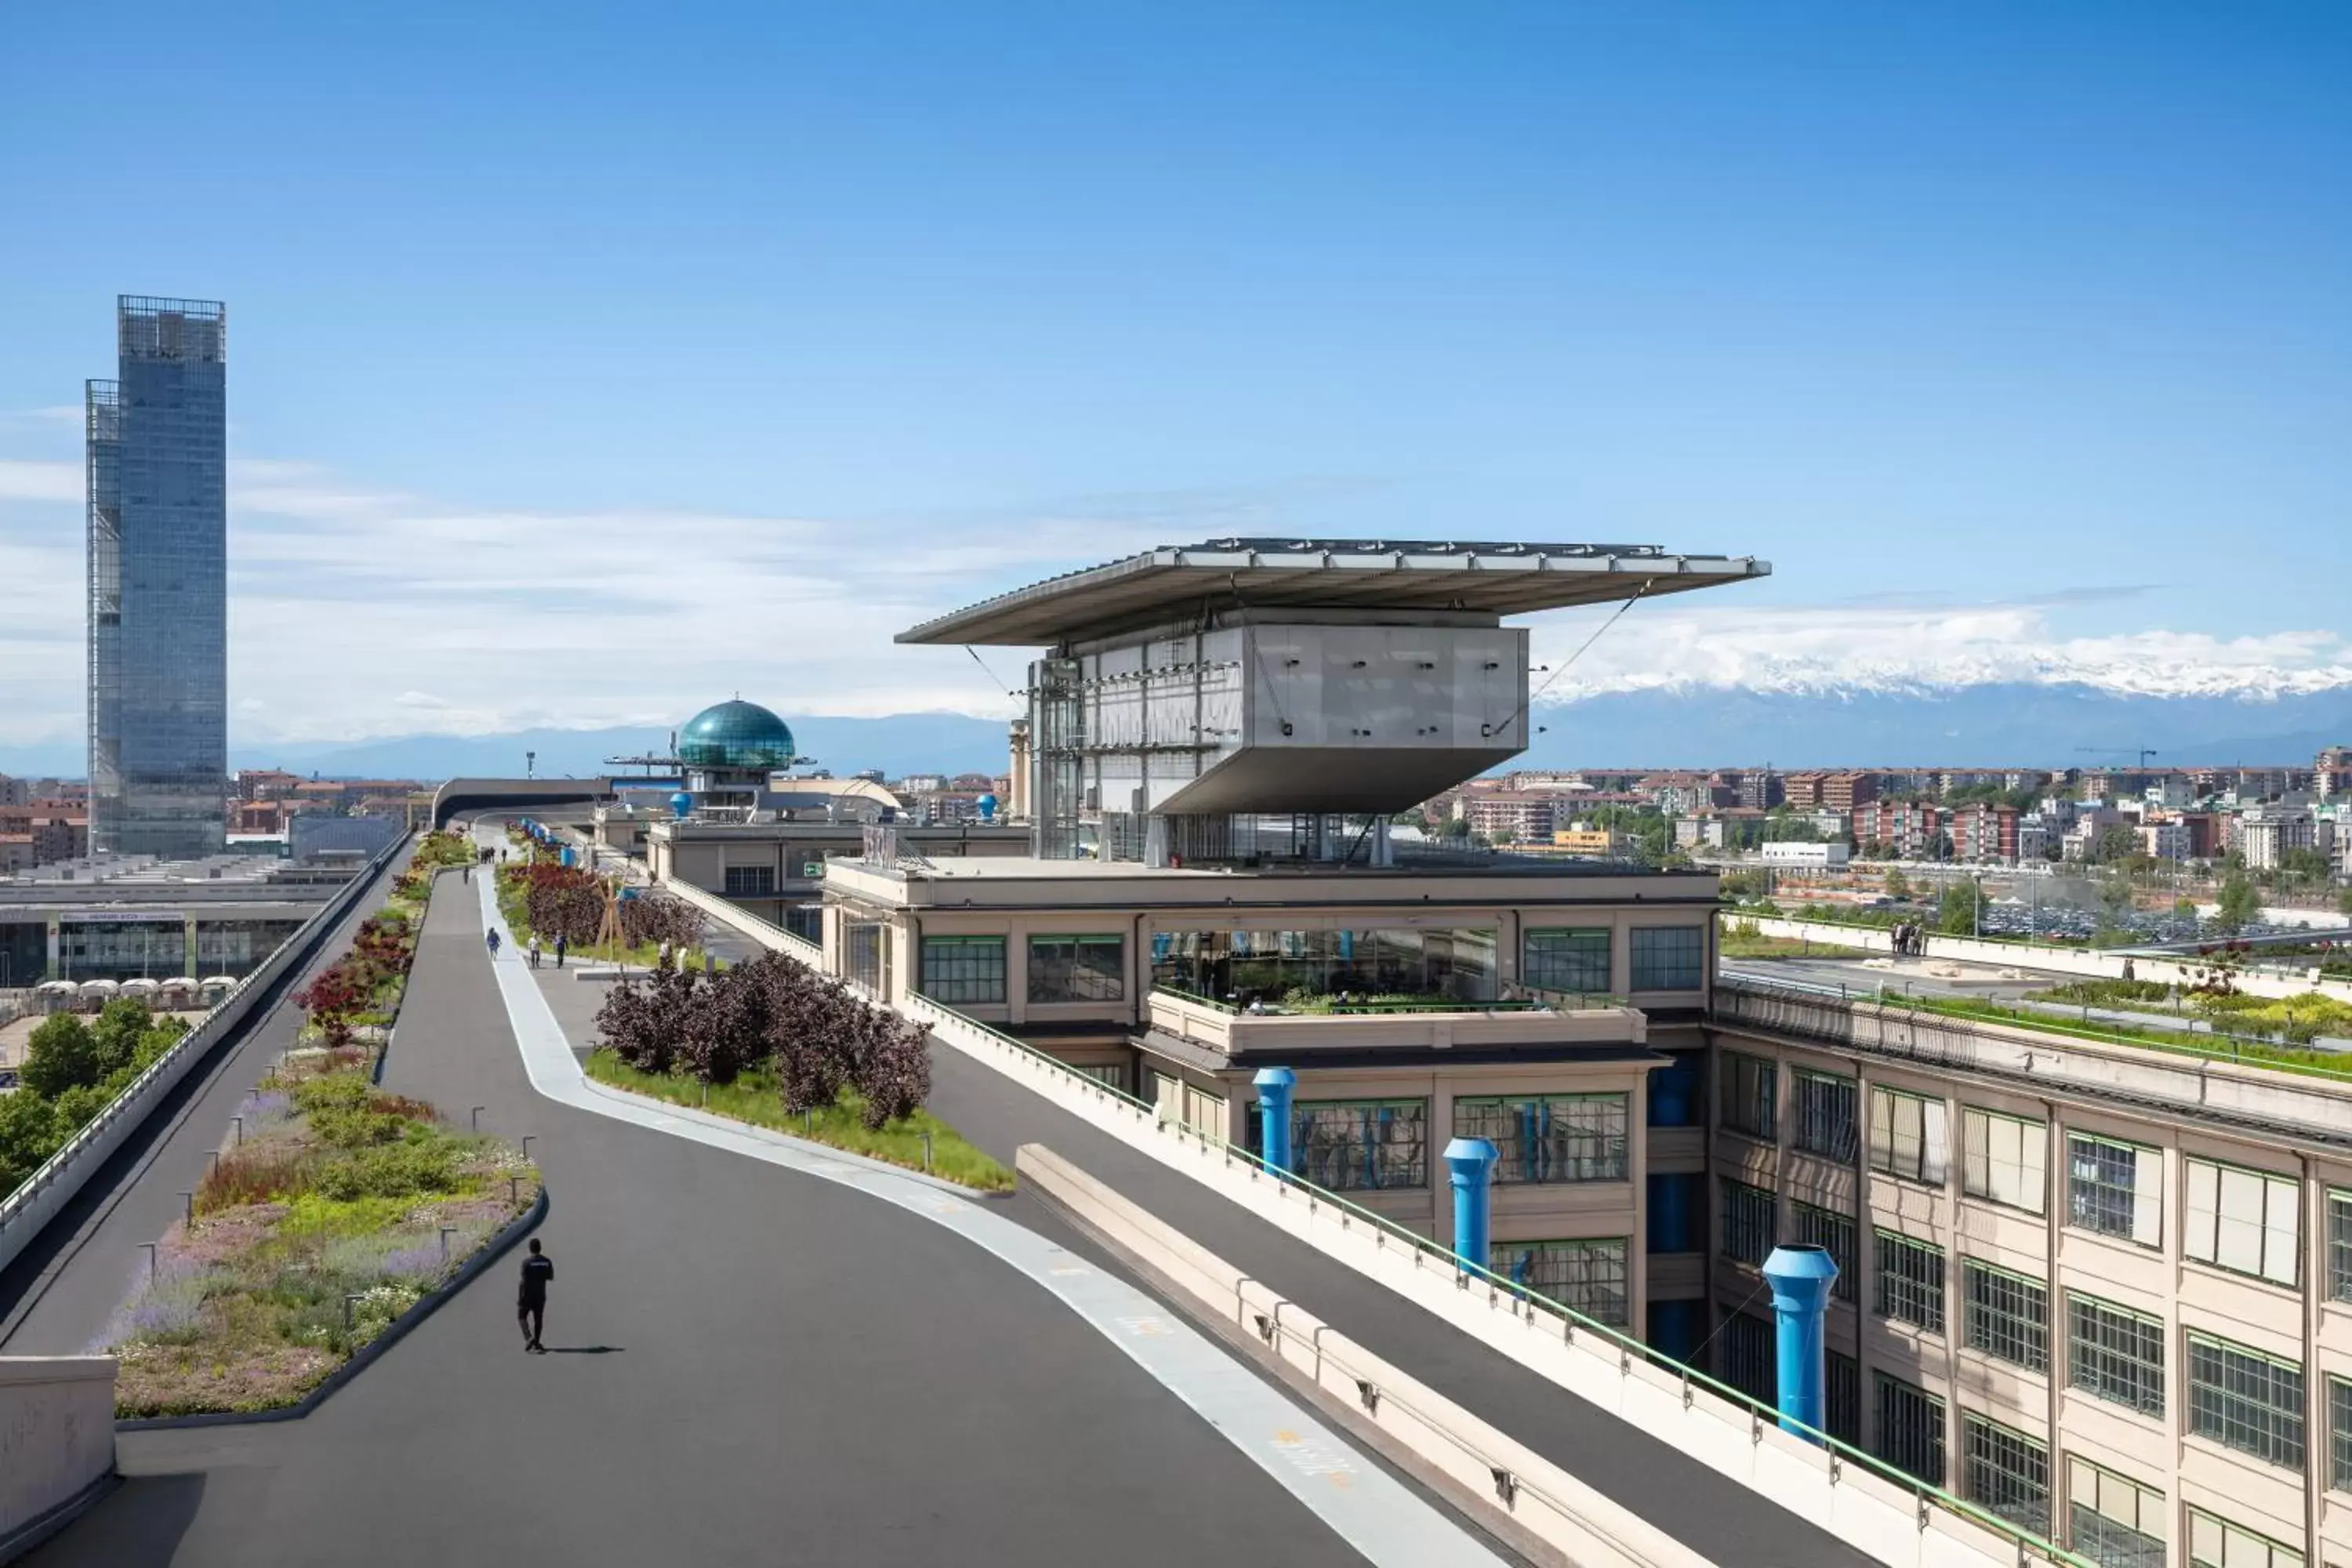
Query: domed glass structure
[736, 734]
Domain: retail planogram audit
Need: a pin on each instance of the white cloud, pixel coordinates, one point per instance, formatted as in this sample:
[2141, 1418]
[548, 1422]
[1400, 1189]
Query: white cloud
[1892, 648]
[357, 613]
[24, 479]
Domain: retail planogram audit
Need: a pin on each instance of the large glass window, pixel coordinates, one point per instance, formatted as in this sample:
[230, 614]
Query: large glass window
[2005, 1472]
[1751, 1090]
[1586, 1275]
[750, 881]
[866, 952]
[2114, 1353]
[2245, 1221]
[1833, 1232]
[2215, 1543]
[1562, 958]
[1669, 958]
[1551, 1138]
[1908, 1281]
[2008, 1315]
[2116, 1521]
[2246, 1400]
[1825, 1114]
[1351, 1145]
[1749, 1222]
[961, 971]
[2115, 1188]
[1750, 1357]
[2339, 1435]
[1078, 968]
[2340, 1245]
[1910, 1434]
[2002, 1159]
[1909, 1136]
[1241, 967]
[1841, 1396]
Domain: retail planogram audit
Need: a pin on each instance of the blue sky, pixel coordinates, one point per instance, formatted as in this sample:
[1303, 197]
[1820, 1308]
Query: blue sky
[586, 364]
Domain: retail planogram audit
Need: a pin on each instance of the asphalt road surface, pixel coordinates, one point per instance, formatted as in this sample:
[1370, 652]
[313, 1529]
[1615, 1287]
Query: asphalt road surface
[752, 1365]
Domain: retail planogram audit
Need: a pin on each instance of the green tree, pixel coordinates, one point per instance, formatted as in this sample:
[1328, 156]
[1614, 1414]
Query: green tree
[2116, 845]
[2239, 904]
[28, 1136]
[1899, 886]
[62, 1054]
[114, 1034]
[1961, 910]
[2184, 908]
[2344, 903]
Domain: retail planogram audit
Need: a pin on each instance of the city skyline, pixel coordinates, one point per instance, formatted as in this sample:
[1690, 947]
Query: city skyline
[1999, 393]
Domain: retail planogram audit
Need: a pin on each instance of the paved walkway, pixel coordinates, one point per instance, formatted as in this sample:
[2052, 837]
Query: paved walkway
[1720, 1519]
[758, 1365]
[57, 1296]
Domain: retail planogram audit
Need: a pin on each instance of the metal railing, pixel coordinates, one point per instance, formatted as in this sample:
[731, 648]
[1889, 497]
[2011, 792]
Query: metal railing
[25, 1210]
[1329, 1005]
[1502, 1290]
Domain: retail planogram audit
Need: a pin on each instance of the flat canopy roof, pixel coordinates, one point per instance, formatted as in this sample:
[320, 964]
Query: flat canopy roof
[1502, 578]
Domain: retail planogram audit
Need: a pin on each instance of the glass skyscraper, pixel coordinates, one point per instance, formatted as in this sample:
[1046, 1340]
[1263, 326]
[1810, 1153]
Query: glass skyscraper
[158, 447]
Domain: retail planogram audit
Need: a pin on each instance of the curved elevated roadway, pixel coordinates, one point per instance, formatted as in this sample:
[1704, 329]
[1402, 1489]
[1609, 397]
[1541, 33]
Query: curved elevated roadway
[753, 1366]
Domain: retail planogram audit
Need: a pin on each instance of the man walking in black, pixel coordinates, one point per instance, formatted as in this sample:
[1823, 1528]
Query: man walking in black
[531, 1303]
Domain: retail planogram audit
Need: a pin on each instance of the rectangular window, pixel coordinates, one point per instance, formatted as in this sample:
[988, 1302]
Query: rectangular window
[2114, 1353]
[1909, 1136]
[750, 881]
[2115, 1188]
[1841, 1396]
[2114, 1522]
[1355, 1145]
[866, 950]
[1239, 967]
[1825, 1114]
[2339, 1435]
[2340, 1245]
[1750, 1358]
[2005, 1472]
[2215, 1543]
[964, 969]
[2245, 1400]
[2248, 1222]
[1910, 1434]
[1194, 1109]
[1669, 958]
[2002, 1159]
[1585, 1276]
[1909, 1282]
[1111, 1073]
[2008, 1315]
[1559, 959]
[1750, 1222]
[1078, 968]
[1751, 1096]
[1552, 1138]
[1828, 1229]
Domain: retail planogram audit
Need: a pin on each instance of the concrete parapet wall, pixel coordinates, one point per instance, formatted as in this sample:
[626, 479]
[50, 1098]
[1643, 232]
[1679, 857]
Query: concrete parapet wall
[57, 1439]
[1451, 1445]
[775, 939]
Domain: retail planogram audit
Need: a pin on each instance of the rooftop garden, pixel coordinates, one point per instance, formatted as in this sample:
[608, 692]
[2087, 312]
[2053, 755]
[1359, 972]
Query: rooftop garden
[75, 1067]
[2218, 1004]
[544, 898]
[776, 1045]
[335, 1209]
[1303, 1001]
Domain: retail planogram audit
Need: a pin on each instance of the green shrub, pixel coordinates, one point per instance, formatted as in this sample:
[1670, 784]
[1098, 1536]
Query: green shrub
[391, 1171]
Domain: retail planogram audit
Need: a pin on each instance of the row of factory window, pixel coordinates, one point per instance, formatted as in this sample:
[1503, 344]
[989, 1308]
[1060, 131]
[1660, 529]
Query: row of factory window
[2109, 1518]
[1246, 966]
[2246, 1221]
[2240, 1397]
[1348, 1145]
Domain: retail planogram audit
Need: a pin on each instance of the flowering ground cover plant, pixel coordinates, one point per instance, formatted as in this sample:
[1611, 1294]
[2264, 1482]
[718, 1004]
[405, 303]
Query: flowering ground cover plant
[318, 1228]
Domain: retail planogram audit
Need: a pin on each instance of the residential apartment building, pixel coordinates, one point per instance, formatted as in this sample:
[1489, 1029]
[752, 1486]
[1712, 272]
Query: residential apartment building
[1910, 830]
[2331, 772]
[2266, 834]
[1589, 842]
[2166, 840]
[1829, 791]
[1526, 816]
[1985, 834]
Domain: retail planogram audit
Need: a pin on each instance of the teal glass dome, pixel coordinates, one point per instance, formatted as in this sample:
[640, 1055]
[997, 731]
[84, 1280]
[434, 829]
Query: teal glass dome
[737, 734]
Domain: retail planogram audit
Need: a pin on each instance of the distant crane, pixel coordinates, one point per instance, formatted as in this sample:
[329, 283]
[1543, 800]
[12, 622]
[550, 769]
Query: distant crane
[2142, 754]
